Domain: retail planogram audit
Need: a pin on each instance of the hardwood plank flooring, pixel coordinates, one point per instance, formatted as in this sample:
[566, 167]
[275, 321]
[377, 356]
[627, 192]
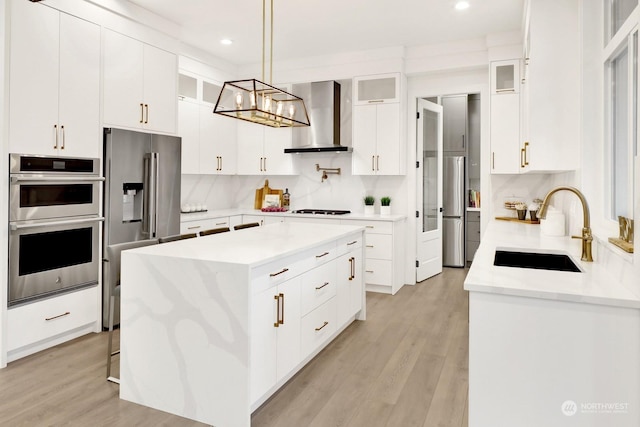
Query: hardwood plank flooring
[406, 365]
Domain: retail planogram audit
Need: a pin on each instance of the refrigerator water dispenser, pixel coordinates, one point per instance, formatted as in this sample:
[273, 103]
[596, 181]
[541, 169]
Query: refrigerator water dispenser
[132, 196]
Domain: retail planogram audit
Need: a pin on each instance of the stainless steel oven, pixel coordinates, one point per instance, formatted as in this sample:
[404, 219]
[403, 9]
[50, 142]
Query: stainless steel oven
[54, 225]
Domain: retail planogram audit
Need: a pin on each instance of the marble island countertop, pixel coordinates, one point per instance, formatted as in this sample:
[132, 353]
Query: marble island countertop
[253, 246]
[593, 285]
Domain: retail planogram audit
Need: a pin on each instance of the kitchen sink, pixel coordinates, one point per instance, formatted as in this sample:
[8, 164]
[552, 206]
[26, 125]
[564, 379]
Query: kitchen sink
[536, 260]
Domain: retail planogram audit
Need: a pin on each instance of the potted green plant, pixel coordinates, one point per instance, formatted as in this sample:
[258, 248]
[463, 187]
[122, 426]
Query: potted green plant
[369, 201]
[385, 205]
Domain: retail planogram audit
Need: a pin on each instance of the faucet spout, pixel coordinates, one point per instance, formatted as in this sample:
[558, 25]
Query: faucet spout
[586, 237]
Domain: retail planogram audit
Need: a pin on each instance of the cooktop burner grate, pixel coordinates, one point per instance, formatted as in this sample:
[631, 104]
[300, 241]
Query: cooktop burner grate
[321, 211]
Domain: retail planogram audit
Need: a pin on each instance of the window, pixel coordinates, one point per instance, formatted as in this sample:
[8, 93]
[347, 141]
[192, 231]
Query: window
[621, 74]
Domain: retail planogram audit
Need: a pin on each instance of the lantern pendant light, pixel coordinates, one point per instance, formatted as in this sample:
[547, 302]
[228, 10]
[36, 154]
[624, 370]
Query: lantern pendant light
[258, 102]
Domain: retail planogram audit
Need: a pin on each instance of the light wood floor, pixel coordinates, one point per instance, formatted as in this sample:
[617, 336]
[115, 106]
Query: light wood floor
[406, 365]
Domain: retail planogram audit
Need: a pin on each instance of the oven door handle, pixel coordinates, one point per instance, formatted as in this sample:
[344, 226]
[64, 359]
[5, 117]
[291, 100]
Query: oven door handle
[16, 179]
[15, 226]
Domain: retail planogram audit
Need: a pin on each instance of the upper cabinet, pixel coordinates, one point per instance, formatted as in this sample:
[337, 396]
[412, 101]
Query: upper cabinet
[535, 116]
[551, 95]
[139, 84]
[54, 89]
[261, 148]
[454, 117]
[505, 77]
[208, 140]
[378, 146]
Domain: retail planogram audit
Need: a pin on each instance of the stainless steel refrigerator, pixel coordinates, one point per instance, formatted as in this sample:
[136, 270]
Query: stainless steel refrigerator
[142, 191]
[453, 213]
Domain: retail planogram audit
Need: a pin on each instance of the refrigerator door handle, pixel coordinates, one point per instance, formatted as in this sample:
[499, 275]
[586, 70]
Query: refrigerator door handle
[150, 186]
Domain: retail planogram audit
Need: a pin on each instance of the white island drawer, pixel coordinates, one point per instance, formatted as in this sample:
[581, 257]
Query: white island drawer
[317, 327]
[376, 227]
[44, 319]
[318, 286]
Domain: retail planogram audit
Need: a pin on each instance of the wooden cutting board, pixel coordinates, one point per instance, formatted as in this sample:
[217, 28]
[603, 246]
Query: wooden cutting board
[509, 218]
[261, 192]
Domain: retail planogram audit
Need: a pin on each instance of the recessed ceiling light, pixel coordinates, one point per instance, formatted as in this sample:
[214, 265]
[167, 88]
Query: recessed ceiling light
[462, 5]
[226, 41]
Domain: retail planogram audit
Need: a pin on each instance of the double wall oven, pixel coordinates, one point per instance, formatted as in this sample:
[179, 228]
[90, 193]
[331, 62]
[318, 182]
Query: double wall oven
[54, 224]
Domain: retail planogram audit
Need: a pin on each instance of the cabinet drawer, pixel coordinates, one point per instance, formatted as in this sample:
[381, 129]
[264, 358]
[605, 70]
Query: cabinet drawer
[378, 227]
[195, 226]
[473, 216]
[40, 320]
[473, 231]
[318, 286]
[317, 327]
[349, 244]
[378, 246]
[378, 272]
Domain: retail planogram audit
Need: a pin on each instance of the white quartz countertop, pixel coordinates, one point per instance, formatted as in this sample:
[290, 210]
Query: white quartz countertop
[594, 285]
[198, 216]
[253, 246]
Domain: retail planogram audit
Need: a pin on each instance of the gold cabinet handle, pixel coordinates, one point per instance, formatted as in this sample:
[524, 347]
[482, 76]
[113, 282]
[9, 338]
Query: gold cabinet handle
[373, 163]
[193, 228]
[522, 157]
[284, 270]
[377, 163]
[146, 107]
[58, 316]
[321, 255]
[265, 164]
[322, 286]
[276, 324]
[55, 131]
[323, 325]
[220, 162]
[369, 246]
[63, 137]
[368, 226]
[369, 271]
[352, 264]
[352, 243]
[526, 149]
[141, 112]
[371, 101]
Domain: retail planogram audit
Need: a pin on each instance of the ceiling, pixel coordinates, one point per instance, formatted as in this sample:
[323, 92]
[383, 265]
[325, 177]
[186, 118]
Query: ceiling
[305, 28]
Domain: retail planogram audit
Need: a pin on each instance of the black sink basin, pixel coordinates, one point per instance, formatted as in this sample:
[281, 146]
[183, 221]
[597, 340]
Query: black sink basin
[540, 261]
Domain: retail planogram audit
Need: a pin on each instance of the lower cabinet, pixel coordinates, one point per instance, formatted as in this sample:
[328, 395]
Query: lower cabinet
[42, 324]
[473, 234]
[275, 338]
[308, 298]
[195, 226]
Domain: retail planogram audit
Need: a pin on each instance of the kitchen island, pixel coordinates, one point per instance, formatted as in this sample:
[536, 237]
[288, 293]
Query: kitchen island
[550, 348]
[213, 326]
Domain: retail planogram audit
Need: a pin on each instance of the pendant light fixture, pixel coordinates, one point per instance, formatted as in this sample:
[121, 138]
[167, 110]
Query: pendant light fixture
[258, 102]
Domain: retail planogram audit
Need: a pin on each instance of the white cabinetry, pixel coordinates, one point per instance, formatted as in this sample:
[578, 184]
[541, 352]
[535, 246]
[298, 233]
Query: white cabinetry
[261, 150]
[262, 219]
[378, 146]
[383, 255]
[505, 117]
[551, 101]
[39, 325]
[54, 92]
[198, 225]
[139, 84]
[349, 279]
[208, 140]
[275, 335]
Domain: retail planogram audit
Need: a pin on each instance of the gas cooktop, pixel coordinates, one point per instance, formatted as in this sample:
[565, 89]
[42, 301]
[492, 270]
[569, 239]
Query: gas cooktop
[321, 211]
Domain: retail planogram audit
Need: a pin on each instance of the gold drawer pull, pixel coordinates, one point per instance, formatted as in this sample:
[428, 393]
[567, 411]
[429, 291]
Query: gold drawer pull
[320, 287]
[321, 255]
[352, 243]
[284, 270]
[59, 315]
[369, 226]
[221, 223]
[369, 246]
[323, 325]
[369, 271]
[194, 227]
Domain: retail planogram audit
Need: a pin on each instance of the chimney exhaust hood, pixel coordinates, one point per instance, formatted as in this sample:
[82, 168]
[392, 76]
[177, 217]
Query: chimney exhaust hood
[323, 105]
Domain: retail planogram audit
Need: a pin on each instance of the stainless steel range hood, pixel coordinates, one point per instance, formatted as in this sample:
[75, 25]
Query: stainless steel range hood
[323, 105]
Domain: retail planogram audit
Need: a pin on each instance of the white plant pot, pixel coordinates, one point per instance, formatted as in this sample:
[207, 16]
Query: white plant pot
[368, 209]
[385, 210]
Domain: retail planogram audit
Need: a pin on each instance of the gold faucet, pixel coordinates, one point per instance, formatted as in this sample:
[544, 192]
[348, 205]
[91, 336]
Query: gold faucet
[586, 237]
